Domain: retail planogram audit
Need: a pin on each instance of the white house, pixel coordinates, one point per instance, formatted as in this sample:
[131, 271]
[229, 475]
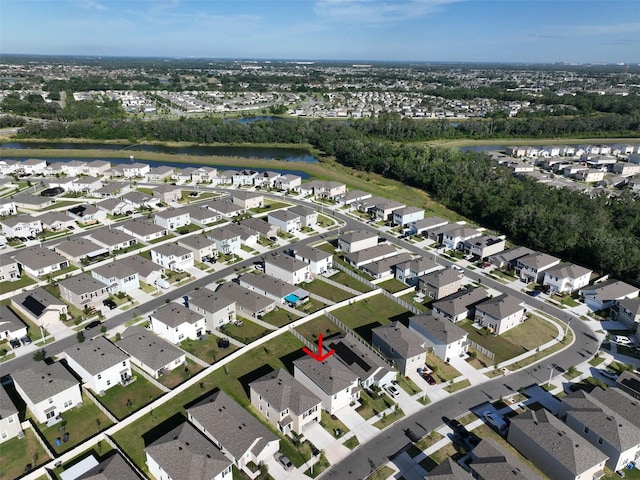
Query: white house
[454, 239]
[286, 268]
[566, 278]
[99, 363]
[445, 338]
[11, 326]
[143, 230]
[402, 346]
[308, 216]
[172, 256]
[175, 323]
[501, 313]
[9, 421]
[119, 275]
[172, 218]
[21, 226]
[227, 242]
[600, 296]
[285, 220]
[288, 182]
[48, 390]
[39, 261]
[351, 242]
[319, 261]
[34, 166]
[135, 170]
[7, 207]
[217, 309]
[405, 216]
[531, 268]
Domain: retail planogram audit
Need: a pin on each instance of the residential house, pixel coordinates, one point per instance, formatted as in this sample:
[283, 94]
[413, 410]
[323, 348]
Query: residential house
[133, 170]
[9, 421]
[47, 389]
[445, 338]
[278, 290]
[490, 460]
[385, 267]
[97, 168]
[144, 230]
[167, 193]
[99, 363]
[354, 241]
[531, 268]
[243, 178]
[150, 352]
[352, 196]
[555, 448]
[114, 467]
[410, 272]
[369, 366]
[285, 220]
[566, 278]
[288, 182]
[247, 200]
[226, 177]
[113, 190]
[184, 453]
[7, 167]
[39, 305]
[225, 208]
[626, 169]
[175, 322]
[218, 414]
[326, 189]
[484, 246]
[261, 226]
[83, 291]
[11, 326]
[73, 168]
[248, 303]
[85, 184]
[308, 216]
[148, 272]
[32, 202]
[201, 215]
[39, 261]
[21, 226]
[440, 283]
[266, 179]
[460, 305]
[455, 239]
[330, 380]
[227, 242]
[600, 296]
[55, 221]
[7, 207]
[384, 210]
[172, 256]
[33, 166]
[172, 219]
[80, 250]
[285, 402]
[422, 227]
[137, 200]
[112, 239]
[203, 249]
[286, 268]
[400, 345]
[499, 314]
[405, 216]
[118, 275]
[217, 309]
[113, 206]
[319, 261]
[629, 382]
[372, 254]
[159, 173]
[508, 259]
[9, 269]
[87, 213]
[248, 236]
[609, 420]
[627, 311]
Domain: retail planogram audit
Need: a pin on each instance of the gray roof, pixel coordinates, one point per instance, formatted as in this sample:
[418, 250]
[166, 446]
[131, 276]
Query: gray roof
[440, 278]
[82, 283]
[330, 374]
[222, 233]
[283, 391]
[556, 440]
[245, 195]
[9, 321]
[113, 468]
[568, 270]
[603, 419]
[171, 249]
[370, 253]
[225, 207]
[143, 266]
[631, 304]
[283, 215]
[171, 213]
[618, 401]
[310, 253]
[116, 269]
[7, 408]
[196, 242]
[200, 212]
[258, 224]
[407, 210]
[491, 461]
[501, 306]
[13, 221]
[286, 262]
[149, 349]
[611, 289]
[510, 255]
[244, 298]
[242, 230]
[49, 218]
[209, 301]
[444, 330]
[96, 355]
[40, 381]
[79, 247]
[385, 265]
[302, 211]
[430, 222]
[37, 258]
[400, 338]
[143, 227]
[361, 360]
[230, 424]
[268, 284]
[448, 470]
[186, 454]
[36, 301]
[537, 260]
[174, 314]
[357, 235]
[461, 301]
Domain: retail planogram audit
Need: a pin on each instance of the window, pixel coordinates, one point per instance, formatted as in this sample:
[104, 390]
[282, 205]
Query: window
[50, 401]
[11, 419]
[124, 364]
[99, 376]
[4, 435]
[68, 403]
[108, 382]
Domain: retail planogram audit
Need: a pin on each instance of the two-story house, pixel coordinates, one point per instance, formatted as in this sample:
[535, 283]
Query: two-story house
[83, 291]
[405, 216]
[217, 309]
[172, 218]
[203, 248]
[118, 275]
[602, 295]
[21, 226]
[627, 311]
[227, 242]
[460, 305]
[286, 268]
[499, 314]
[400, 345]
[532, 267]
[410, 272]
[151, 353]
[175, 323]
[9, 421]
[248, 303]
[319, 261]
[566, 278]
[172, 256]
[445, 338]
[351, 242]
[440, 283]
[285, 220]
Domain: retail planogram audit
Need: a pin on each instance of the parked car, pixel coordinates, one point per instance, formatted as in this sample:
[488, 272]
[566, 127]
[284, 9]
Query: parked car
[456, 267]
[427, 376]
[605, 372]
[535, 293]
[109, 303]
[15, 343]
[285, 462]
[392, 391]
[622, 340]
[92, 324]
[495, 420]
[25, 340]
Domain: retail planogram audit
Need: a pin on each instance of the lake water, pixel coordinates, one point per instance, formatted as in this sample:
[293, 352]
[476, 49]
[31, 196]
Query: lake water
[267, 153]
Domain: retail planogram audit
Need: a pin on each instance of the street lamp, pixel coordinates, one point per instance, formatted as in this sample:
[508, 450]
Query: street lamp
[42, 332]
[551, 369]
[566, 329]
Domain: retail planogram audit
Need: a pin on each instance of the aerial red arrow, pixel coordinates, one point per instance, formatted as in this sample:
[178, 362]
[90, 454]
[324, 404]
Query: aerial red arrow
[319, 356]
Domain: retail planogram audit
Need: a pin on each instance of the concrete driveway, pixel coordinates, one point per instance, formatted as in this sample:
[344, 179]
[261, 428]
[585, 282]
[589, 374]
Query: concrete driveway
[323, 440]
[355, 423]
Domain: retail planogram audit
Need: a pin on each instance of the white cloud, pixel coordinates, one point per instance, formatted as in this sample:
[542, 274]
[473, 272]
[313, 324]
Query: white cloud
[378, 11]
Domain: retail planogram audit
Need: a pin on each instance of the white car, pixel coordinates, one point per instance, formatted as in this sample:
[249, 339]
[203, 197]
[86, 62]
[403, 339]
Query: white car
[392, 391]
[622, 340]
[495, 420]
[605, 372]
[456, 267]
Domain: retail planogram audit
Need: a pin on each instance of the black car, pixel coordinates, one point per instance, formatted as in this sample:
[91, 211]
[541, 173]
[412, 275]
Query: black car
[15, 343]
[91, 325]
[109, 303]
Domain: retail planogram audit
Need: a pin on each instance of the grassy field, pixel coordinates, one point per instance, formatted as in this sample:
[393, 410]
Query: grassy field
[178, 375]
[390, 418]
[17, 453]
[424, 443]
[323, 289]
[392, 285]
[312, 328]
[207, 349]
[369, 313]
[332, 424]
[246, 333]
[371, 406]
[121, 401]
[443, 372]
[279, 317]
[25, 281]
[233, 379]
[346, 279]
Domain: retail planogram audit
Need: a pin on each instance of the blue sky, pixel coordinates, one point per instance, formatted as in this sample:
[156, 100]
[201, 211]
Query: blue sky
[403, 30]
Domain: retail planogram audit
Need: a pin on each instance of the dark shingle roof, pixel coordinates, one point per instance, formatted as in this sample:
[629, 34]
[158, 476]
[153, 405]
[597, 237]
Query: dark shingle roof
[149, 349]
[40, 381]
[283, 391]
[97, 355]
[114, 468]
[491, 461]
[444, 330]
[501, 306]
[7, 408]
[400, 338]
[448, 470]
[330, 374]
[173, 314]
[36, 301]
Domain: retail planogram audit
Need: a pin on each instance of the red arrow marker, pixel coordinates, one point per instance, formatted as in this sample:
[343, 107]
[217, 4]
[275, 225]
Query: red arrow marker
[319, 356]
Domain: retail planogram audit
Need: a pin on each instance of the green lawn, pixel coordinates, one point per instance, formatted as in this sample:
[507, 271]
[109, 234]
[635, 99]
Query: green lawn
[392, 285]
[371, 406]
[312, 328]
[82, 422]
[310, 306]
[188, 229]
[246, 333]
[272, 353]
[270, 205]
[351, 443]
[178, 375]
[451, 388]
[332, 424]
[17, 453]
[326, 247]
[441, 371]
[408, 297]
[161, 239]
[121, 401]
[207, 349]
[346, 279]
[279, 317]
[424, 443]
[408, 385]
[389, 419]
[323, 289]
[523, 338]
[369, 313]
[24, 281]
